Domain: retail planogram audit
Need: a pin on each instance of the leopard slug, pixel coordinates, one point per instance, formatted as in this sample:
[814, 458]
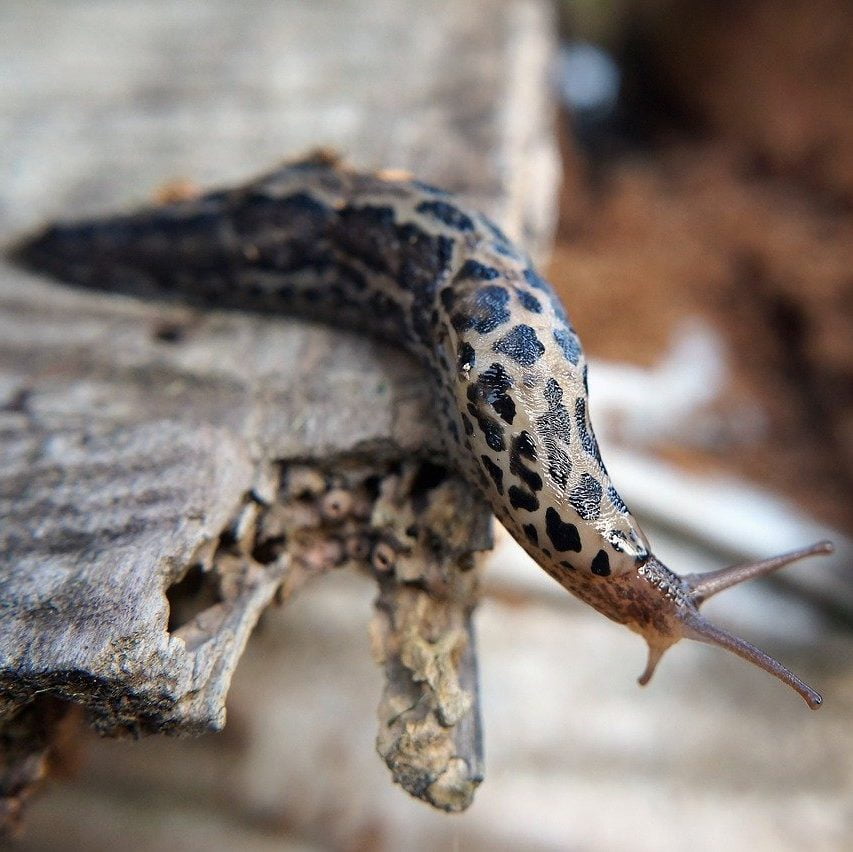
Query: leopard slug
[406, 262]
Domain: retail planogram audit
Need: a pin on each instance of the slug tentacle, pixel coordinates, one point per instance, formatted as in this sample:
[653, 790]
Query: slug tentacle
[704, 586]
[411, 264]
[699, 629]
[688, 623]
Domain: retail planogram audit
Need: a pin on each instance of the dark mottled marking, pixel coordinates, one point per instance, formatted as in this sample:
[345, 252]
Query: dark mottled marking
[259, 213]
[531, 532]
[454, 430]
[497, 233]
[553, 393]
[559, 466]
[554, 428]
[501, 244]
[563, 536]
[529, 477]
[494, 471]
[568, 565]
[483, 311]
[616, 500]
[466, 358]
[522, 445]
[415, 259]
[521, 499]
[522, 345]
[570, 345]
[363, 231]
[587, 439]
[601, 564]
[421, 271]
[529, 301]
[474, 269]
[586, 498]
[492, 430]
[389, 310]
[534, 279]
[506, 249]
[492, 386]
[505, 407]
[447, 213]
[469, 426]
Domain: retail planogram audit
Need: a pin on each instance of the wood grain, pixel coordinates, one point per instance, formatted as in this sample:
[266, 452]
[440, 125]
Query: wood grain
[136, 439]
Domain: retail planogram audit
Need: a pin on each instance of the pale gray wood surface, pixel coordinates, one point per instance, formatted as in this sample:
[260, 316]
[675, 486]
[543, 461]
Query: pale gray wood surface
[131, 433]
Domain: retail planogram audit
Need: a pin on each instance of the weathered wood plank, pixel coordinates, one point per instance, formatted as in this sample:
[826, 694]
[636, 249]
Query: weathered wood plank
[138, 440]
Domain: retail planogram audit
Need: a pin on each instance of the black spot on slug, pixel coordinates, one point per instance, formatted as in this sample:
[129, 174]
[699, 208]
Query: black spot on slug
[554, 429]
[446, 213]
[553, 393]
[492, 386]
[529, 477]
[586, 498]
[494, 471]
[531, 532]
[497, 233]
[448, 298]
[559, 465]
[616, 500]
[474, 269]
[505, 407]
[466, 358]
[364, 231]
[492, 430]
[521, 499]
[529, 301]
[522, 445]
[587, 439]
[570, 345]
[522, 345]
[534, 279]
[414, 258]
[601, 564]
[454, 430]
[568, 565]
[617, 540]
[563, 536]
[484, 310]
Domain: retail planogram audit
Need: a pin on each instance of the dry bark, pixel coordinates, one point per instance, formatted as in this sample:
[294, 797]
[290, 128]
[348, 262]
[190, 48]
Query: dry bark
[163, 473]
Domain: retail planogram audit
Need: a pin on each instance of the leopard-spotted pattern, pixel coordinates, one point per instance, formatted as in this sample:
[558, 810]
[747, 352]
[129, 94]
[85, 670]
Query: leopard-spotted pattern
[407, 262]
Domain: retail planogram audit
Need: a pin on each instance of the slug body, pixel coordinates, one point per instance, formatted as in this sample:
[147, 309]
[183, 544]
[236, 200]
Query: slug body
[408, 263]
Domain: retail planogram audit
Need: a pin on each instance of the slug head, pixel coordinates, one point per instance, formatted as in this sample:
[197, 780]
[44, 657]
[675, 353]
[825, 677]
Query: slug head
[679, 616]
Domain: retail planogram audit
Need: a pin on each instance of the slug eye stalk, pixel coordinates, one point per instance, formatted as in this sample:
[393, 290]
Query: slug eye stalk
[699, 587]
